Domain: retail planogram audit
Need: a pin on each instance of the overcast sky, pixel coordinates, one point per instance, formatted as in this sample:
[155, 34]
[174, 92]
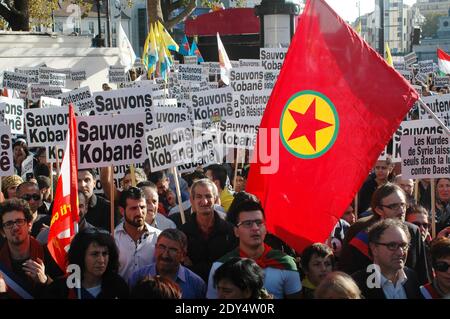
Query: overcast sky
[348, 10]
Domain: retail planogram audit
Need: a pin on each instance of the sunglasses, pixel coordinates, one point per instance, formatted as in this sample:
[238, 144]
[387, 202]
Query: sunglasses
[28, 197]
[441, 266]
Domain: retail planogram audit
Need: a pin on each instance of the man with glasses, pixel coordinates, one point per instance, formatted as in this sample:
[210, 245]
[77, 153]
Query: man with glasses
[440, 286]
[134, 237]
[170, 251]
[389, 278]
[30, 193]
[281, 277]
[26, 266]
[388, 202]
[418, 216]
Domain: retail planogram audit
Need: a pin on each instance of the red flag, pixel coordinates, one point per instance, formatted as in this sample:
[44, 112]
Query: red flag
[335, 105]
[65, 205]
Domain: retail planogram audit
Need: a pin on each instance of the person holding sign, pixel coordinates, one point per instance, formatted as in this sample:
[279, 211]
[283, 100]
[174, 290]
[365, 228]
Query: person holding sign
[442, 203]
[20, 153]
[381, 175]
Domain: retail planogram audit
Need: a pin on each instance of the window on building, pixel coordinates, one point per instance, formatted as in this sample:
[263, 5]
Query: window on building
[103, 27]
[114, 28]
[114, 42]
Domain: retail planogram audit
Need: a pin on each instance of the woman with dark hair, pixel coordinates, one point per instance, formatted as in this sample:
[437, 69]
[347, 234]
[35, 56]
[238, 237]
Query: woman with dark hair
[20, 153]
[442, 203]
[95, 253]
[240, 278]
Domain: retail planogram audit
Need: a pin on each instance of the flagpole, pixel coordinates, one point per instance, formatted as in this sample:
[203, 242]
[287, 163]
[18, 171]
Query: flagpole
[416, 190]
[111, 192]
[177, 186]
[236, 164]
[133, 175]
[431, 113]
[433, 209]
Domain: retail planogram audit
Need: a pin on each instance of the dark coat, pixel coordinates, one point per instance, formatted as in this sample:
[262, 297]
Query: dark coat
[352, 260]
[203, 252]
[411, 285]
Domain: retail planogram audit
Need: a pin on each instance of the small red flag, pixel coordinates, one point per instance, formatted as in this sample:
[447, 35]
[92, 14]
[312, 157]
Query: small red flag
[65, 205]
[335, 105]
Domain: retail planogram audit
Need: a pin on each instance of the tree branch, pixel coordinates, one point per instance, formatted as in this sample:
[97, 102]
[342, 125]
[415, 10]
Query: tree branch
[182, 16]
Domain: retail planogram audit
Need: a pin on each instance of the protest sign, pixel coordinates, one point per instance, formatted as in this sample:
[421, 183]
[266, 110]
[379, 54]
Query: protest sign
[249, 63]
[426, 66]
[15, 81]
[440, 105]
[79, 75]
[272, 58]
[247, 79]
[238, 133]
[35, 91]
[117, 74]
[81, 98]
[410, 58]
[46, 126]
[6, 156]
[105, 140]
[190, 72]
[13, 110]
[190, 59]
[47, 102]
[57, 79]
[441, 81]
[212, 106]
[33, 74]
[425, 156]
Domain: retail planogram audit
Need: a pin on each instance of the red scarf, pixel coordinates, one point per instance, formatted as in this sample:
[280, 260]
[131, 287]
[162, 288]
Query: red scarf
[264, 261]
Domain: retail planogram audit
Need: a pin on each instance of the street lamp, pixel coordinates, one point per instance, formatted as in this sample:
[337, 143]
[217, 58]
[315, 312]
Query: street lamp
[277, 22]
[100, 42]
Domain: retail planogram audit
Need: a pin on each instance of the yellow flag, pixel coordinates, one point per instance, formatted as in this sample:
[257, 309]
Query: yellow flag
[170, 43]
[388, 55]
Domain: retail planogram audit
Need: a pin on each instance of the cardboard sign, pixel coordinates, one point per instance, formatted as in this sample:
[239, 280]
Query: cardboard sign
[440, 105]
[425, 156]
[78, 75]
[441, 81]
[190, 72]
[426, 66]
[105, 140]
[170, 146]
[272, 58]
[247, 79]
[81, 98]
[35, 91]
[33, 74]
[410, 58]
[418, 127]
[190, 59]
[249, 63]
[270, 78]
[6, 156]
[27, 167]
[46, 126]
[15, 81]
[238, 133]
[117, 74]
[47, 102]
[13, 110]
[251, 104]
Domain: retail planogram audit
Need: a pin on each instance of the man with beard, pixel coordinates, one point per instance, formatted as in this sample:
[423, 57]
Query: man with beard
[171, 248]
[388, 202]
[281, 277]
[27, 266]
[134, 237]
[42, 237]
[389, 278]
[98, 208]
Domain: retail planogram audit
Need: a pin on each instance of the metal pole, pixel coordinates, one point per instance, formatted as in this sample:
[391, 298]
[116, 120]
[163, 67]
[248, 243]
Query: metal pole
[381, 35]
[99, 24]
[108, 24]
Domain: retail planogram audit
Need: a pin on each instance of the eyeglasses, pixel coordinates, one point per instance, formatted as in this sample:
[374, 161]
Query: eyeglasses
[171, 251]
[19, 222]
[425, 225]
[28, 197]
[395, 206]
[393, 246]
[441, 266]
[249, 223]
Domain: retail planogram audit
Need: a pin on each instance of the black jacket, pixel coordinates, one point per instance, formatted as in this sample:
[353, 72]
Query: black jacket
[411, 285]
[203, 252]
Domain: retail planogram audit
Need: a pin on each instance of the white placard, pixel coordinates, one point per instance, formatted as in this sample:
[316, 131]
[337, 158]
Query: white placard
[190, 72]
[170, 146]
[81, 98]
[418, 127]
[441, 81]
[247, 79]
[410, 58]
[272, 58]
[190, 59]
[117, 75]
[47, 102]
[252, 104]
[426, 66]
[35, 91]
[238, 133]
[105, 140]
[27, 167]
[33, 74]
[15, 81]
[47, 127]
[249, 63]
[213, 106]
[13, 110]
[78, 75]
[440, 105]
[57, 79]
[425, 156]
[6, 156]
